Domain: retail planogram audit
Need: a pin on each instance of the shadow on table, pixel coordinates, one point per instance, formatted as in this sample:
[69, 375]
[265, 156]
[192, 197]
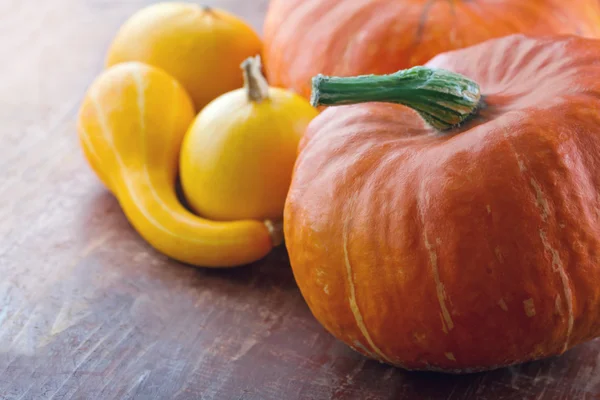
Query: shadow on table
[248, 330]
[575, 375]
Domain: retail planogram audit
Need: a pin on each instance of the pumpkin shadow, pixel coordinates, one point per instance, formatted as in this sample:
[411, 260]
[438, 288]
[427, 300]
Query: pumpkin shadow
[515, 381]
[273, 270]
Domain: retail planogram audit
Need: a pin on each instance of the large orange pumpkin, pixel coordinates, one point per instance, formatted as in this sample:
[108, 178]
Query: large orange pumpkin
[466, 243]
[350, 37]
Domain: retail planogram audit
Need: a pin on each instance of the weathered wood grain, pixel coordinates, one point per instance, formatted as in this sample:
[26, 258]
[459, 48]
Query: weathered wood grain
[89, 311]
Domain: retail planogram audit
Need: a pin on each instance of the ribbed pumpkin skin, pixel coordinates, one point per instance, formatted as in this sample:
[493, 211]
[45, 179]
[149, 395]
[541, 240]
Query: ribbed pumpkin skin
[351, 37]
[464, 251]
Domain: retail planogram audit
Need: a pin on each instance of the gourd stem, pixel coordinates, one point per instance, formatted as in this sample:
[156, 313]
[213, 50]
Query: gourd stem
[444, 99]
[255, 83]
[275, 229]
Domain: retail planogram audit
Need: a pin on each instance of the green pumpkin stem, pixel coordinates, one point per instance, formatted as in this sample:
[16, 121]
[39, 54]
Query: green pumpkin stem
[444, 99]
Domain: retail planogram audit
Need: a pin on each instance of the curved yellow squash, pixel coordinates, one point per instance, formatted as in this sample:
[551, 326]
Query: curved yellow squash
[131, 125]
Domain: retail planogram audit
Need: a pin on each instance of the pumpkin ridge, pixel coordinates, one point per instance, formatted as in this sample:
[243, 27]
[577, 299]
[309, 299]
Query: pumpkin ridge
[360, 323]
[540, 200]
[447, 322]
[351, 27]
[558, 266]
[275, 54]
[355, 41]
[541, 203]
[580, 171]
[297, 53]
[423, 21]
[472, 13]
[507, 18]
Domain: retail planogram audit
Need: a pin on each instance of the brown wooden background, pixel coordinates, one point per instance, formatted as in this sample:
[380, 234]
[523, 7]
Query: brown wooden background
[89, 311]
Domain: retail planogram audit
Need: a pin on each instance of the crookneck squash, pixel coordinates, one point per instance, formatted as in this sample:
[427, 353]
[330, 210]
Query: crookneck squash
[131, 125]
[350, 37]
[446, 217]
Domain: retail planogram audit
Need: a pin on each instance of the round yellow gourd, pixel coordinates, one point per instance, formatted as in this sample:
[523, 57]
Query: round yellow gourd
[131, 124]
[238, 155]
[198, 45]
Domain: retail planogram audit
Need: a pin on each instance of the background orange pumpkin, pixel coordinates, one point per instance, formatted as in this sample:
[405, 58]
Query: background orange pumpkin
[461, 250]
[350, 37]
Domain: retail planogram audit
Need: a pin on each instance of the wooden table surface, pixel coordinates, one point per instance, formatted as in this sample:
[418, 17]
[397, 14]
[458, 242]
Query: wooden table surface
[89, 311]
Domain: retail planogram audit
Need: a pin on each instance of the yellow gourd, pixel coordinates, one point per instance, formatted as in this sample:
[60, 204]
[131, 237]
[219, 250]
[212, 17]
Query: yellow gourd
[243, 147]
[131, 125]
[200, 46]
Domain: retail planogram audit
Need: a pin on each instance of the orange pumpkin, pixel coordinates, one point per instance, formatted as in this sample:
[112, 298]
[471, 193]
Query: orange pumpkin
[467, 242]
[351, 37]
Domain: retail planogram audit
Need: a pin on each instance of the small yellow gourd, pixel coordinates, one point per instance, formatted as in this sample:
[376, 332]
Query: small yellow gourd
[131, 125]
[198, 45]
[242, 147]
